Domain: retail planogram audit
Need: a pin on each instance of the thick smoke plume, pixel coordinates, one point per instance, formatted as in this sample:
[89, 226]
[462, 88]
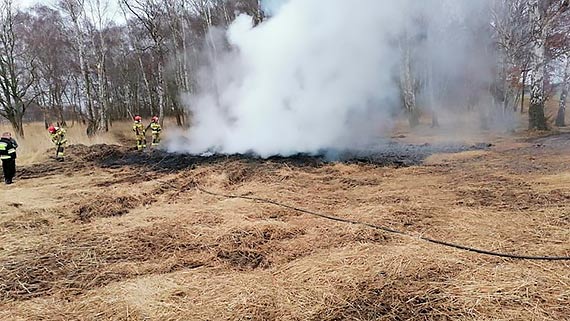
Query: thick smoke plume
[322, 74]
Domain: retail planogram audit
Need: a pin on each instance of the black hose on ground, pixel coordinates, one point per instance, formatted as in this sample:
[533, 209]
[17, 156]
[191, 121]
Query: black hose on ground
[389, 230]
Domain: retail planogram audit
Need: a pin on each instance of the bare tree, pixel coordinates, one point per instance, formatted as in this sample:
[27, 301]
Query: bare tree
[47, 40]
[151, 14]
[75, 10]
[512, 36]
[543, 14]
[17, 70]
[99, 10]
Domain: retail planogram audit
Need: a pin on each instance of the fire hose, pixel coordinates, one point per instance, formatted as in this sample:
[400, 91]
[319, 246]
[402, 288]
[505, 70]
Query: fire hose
[387, 229]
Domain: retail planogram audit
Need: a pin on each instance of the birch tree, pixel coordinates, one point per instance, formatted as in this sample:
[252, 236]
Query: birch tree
[512, 38]
[99, 14]
[407, 81]
[543, 14]
[537, 10]
[180, 68]
[561, 116]
[150, 13]
[75, 9]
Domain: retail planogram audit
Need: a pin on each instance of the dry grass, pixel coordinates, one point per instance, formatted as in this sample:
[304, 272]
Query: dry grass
[131, 243]
[33, 148]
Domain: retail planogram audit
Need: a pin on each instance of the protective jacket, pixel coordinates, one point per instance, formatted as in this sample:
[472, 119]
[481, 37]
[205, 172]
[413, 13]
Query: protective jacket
[58, 138]
[140, 135]
[8, 156]
[8, 148]
[155, 130]
[138, 129]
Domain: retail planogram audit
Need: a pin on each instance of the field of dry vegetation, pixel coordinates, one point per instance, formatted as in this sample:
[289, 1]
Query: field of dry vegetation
[112, 234]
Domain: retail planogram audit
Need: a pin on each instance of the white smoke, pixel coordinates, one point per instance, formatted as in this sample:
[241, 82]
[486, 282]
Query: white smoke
[319, 74]
[271, 7]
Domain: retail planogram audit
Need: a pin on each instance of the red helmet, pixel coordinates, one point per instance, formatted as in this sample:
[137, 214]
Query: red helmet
[154, 119]
[52, 129]
[138, 118]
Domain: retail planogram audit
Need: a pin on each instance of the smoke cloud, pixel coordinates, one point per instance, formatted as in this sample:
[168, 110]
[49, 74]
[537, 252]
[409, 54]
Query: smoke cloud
[271, 7]
[322, 74]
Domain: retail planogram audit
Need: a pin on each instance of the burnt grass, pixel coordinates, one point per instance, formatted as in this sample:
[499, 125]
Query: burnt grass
[392, 154]
[116, 157]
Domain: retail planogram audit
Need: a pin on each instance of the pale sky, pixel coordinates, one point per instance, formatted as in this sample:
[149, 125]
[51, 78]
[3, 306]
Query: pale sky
[114, 10]
[270, 5]
[29, 3]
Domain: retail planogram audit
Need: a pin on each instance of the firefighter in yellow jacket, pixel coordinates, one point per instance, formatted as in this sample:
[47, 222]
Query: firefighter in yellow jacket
[155, 130]
[140, 133]
[57, 136]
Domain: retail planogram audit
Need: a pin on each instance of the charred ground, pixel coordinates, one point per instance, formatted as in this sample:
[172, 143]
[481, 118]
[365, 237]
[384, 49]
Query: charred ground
[391, 154]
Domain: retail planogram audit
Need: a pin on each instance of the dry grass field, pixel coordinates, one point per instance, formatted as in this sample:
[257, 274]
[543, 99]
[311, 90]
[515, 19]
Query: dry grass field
[112, 234]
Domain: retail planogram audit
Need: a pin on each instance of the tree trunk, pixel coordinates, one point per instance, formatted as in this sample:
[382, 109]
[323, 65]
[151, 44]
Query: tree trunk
[59, 109]
[103, 108]
[536, 119]
[434, 120]
[179, 113]
[160, 91]
[407, 84]
[61, 117]
[98, 12]
[505, 90]
[46, 122]
[524, 76]
[146, 84]
[561, 117]
[213, 53]
[185, 72]
[91, 128]
[18, 125]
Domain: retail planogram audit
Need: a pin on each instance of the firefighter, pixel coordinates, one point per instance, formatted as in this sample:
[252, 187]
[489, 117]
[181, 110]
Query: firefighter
[155, 130]
[8, 156]
[57, 136]
[140, 133]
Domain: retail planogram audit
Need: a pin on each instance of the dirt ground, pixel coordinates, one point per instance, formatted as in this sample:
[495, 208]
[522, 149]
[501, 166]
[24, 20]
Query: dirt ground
[112, 234]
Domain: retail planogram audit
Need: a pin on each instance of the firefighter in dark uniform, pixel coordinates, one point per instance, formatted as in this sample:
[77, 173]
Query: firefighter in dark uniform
[8, 156]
